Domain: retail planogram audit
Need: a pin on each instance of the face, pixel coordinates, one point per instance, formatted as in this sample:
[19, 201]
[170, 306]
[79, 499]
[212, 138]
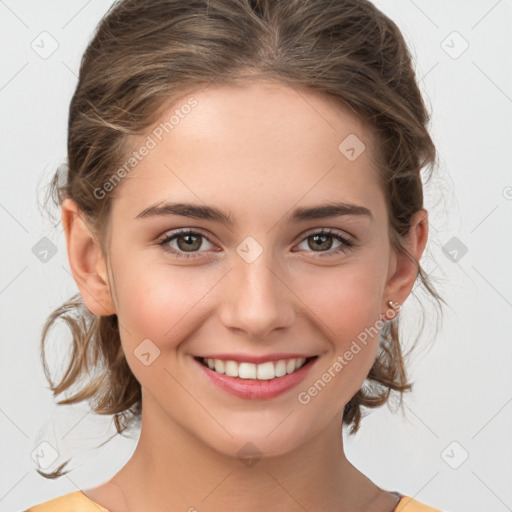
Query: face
[269, 282]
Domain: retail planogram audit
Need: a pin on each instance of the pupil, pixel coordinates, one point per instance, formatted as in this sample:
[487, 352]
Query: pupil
[323, 237]
[189, 241]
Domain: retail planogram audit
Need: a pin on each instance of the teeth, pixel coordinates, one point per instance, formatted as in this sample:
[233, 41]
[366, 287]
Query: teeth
[264, 371]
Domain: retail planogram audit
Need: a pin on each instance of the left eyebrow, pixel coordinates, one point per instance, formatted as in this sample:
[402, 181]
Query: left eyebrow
[195, 211]
[329, 210]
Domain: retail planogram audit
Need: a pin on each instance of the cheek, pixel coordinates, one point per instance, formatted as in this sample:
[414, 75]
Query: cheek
[161, 304]
[347, 301]
[154, 300]
[348, 307]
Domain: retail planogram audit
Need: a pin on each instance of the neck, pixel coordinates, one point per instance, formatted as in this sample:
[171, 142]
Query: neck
[171, 469]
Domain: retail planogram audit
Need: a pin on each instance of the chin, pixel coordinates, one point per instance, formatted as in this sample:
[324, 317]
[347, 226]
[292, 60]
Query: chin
[256, 442]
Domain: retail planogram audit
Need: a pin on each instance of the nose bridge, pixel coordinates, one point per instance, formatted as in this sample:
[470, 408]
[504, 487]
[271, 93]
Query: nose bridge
[260, 301]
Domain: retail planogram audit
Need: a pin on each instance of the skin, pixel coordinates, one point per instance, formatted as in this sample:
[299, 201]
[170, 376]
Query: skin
[273, 148]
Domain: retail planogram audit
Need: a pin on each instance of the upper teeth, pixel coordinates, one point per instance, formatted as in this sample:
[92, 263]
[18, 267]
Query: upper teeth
[264, 371]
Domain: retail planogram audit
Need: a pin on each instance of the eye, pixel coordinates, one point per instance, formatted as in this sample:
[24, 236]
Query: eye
[323, 240]
[188, 242]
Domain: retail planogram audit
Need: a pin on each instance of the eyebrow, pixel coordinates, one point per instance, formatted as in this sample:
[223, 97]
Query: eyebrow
[324, 211]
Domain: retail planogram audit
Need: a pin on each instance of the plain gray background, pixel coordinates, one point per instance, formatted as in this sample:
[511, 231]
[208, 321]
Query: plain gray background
[453, 447]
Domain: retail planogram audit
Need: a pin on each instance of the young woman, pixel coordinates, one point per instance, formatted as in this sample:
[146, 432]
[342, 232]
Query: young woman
[244, 218]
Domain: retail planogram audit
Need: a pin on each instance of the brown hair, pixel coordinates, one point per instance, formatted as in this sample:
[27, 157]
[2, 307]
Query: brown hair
[145, 53]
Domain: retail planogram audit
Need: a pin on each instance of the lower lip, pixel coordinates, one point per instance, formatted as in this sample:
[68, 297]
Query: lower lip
[256, 389]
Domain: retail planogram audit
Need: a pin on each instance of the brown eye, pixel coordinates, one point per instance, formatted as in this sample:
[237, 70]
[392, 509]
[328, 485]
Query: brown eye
[190, 242]
[322, 242]
[186, 243]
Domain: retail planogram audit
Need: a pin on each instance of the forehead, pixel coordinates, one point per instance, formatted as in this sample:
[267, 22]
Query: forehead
[264, 144]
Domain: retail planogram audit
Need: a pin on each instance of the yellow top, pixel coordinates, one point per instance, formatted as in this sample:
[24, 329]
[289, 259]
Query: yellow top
[78, 502]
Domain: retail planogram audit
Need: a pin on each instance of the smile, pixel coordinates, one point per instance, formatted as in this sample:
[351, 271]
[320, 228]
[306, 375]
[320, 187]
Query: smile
[265, 371]
[255, 381]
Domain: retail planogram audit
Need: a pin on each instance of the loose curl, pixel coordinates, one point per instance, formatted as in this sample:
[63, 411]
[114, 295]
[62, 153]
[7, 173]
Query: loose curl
[145, 53]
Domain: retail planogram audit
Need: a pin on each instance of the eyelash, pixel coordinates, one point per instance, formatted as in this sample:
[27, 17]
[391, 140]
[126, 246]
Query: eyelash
[345, 247]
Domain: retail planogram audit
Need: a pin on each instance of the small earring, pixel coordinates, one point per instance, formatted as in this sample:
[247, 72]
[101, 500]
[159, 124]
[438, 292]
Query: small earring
[395, 306]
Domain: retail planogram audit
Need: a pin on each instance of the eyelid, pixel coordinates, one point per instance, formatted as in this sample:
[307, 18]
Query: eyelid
[299, 238]
[329, 231]
[180, 231]
[347, 241]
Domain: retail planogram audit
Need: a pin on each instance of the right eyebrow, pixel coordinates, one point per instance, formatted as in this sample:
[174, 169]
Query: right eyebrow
[187, 210]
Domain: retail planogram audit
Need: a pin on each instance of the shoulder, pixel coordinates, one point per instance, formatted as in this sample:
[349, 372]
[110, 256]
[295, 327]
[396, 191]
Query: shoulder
[73, 502]
[408, 504]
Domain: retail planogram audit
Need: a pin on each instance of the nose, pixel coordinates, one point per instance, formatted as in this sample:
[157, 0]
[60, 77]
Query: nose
[258, 300]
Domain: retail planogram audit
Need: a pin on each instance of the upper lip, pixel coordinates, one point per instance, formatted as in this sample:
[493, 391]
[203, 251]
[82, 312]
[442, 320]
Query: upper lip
[246, 358]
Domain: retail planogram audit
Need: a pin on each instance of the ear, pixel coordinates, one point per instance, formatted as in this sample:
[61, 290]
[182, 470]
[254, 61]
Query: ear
[403, 272]
[86, 261]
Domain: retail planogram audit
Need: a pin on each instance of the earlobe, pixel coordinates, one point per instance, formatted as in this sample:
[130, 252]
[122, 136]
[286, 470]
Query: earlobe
[86, 261]
[400, 284]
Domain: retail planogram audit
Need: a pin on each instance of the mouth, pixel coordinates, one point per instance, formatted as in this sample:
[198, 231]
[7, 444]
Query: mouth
[255, 381]
[269, 370]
